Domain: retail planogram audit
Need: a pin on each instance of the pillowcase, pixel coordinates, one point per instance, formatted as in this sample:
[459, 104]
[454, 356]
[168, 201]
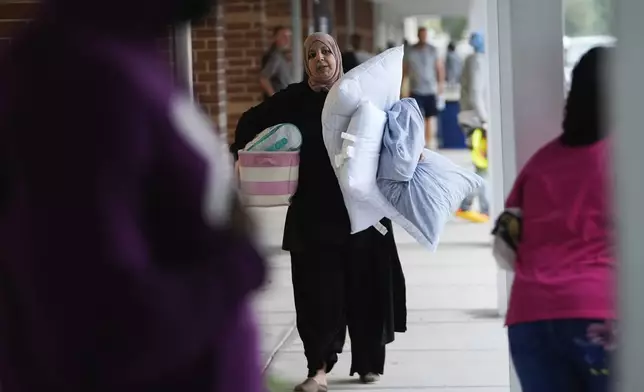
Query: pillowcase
[377, 81]
[430, 198]
[403, 141]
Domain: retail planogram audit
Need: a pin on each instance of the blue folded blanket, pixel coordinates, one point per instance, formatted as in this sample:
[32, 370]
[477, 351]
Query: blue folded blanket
[423, 186]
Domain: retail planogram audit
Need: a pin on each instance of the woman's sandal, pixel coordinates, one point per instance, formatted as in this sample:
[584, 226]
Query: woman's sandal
[310, 385]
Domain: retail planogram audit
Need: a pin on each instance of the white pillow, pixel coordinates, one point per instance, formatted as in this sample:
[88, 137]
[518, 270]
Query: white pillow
[357, 166]
[377, 81]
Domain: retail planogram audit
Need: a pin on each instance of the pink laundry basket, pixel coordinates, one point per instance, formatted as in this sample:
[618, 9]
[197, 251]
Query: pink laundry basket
[268, 179]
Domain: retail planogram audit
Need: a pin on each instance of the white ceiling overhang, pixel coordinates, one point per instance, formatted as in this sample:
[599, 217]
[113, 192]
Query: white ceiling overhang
[406, 8]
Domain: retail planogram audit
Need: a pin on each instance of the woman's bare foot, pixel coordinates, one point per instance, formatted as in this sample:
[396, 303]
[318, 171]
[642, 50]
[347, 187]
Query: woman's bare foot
[320, 378]
[317, 383]
[310, 385]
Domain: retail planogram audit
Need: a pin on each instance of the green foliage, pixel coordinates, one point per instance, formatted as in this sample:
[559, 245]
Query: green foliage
[454, 26]
[588, 17]
[274, 384]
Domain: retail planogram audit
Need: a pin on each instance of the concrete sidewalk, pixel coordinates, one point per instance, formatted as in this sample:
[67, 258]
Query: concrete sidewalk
[455, 343]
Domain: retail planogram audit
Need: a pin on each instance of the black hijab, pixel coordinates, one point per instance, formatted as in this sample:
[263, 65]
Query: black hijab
[585, 118]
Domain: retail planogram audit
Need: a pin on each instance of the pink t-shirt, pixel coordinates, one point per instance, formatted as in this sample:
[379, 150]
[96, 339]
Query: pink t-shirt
[565, 264]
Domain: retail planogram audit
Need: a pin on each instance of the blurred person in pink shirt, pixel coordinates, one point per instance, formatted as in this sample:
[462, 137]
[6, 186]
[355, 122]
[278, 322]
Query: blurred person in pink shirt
[565, 266]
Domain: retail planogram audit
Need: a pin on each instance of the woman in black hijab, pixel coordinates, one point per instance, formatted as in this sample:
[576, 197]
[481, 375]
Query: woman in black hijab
[339, 279]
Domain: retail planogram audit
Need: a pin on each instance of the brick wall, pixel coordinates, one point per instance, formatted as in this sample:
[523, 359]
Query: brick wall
[248, 28]
[209, 67]
[364, 22]
[227, 47]
[246, 36]
[340, 23]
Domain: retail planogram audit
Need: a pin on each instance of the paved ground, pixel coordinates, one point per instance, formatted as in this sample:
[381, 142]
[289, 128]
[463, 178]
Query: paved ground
[455, 343]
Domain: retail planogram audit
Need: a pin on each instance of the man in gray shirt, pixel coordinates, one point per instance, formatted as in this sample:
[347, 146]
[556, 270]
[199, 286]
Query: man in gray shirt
[277, 68]
[426, 77]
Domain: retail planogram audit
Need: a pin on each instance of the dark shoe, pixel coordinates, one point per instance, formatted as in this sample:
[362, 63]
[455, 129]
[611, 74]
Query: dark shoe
[369, 378]
[310, 385]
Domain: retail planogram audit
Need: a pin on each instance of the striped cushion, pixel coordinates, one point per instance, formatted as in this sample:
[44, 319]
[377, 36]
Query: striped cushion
[268, 178]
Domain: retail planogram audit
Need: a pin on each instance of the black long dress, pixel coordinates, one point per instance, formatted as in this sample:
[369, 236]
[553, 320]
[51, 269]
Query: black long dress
[339, 279]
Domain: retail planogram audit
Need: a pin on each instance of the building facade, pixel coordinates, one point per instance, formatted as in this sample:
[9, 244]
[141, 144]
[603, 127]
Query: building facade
[228, 45]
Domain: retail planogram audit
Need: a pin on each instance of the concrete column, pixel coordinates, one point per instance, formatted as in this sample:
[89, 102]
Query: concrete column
[526, 94]
[629, 191]
[380, 38]
[351, 19]
[297, 50]
[478, 19]
[182, 49]
[411, 30]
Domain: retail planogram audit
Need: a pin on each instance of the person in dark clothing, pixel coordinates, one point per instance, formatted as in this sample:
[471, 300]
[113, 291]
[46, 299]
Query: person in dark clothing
[453, 65]
[356, 56]
[339, 279]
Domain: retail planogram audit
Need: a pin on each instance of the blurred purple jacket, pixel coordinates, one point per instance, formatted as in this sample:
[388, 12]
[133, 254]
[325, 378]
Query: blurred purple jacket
[117, 268]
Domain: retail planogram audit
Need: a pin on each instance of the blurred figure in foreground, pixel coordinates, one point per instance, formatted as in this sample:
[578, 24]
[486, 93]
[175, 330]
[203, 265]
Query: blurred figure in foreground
[125, 258]
[473, 119]
[562, 306]
[277, 68]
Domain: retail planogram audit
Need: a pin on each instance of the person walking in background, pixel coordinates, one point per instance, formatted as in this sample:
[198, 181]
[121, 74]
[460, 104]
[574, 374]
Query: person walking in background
[453, 66]
[126, 259]
[356, 55]
[277, 68]
[479, 146]
[339, 279]
[473, 119]
[425, 71]
[562, 305]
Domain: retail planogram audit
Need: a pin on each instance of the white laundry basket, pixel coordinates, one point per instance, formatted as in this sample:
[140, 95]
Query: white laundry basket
[268, 179]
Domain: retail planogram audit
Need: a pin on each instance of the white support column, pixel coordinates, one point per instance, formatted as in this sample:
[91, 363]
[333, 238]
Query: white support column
[526, 94]
[380, 39]
[629, 191]
[478, 18]
[411, 29]
[297, 46]
[182, 49]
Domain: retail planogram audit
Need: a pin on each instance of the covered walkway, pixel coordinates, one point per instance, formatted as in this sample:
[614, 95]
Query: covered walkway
[456, 343]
